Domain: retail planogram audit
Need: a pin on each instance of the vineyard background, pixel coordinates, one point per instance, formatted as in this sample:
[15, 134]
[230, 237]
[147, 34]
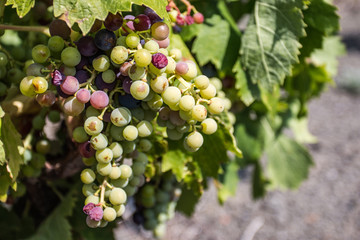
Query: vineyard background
[327, 205]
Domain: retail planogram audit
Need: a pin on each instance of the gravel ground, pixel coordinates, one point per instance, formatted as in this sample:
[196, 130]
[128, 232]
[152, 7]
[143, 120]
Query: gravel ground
[327, 204]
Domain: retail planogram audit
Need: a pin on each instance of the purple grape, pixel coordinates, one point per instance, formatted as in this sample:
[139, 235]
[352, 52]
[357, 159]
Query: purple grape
[129, 101]
[99, 99]
[180, 20]
[70, 85]
[176, 29]
[113, 22]
[189, 20]
[57, 78]
[159, 60]
[152, 15]
[83, 95]
[86, 46]
[96, 213]
[127, 84]
[88, 207]
[83, 62]
[105, 39]
[142, 22]
[106, 117]
[86, 150]
[100, 84]
[82, 76]
[130, 24]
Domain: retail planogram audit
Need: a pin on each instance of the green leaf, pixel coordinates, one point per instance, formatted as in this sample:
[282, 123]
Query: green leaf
[56, 226]
[331, 50]
[228, 182]
[247, 91]
[288, 163]
[270, 43]
[2, 153]
[175, 160]
[299, 126]
[4, 186]
[190, 31]
[187, 201]
[212, 41]
[22, 6]
[13, 146]
[84, 12]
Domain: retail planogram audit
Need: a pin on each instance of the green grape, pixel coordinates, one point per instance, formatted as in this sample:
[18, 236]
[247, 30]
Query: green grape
[116, 133]
[108, 76]
[2, 72]
[192, 73]
[120, 210]
[135, 181]
[159, 84]
[142, 58]
[170, 68]
[138, 113]
[201, 82]
[216, 105]
[93, 126]
[38, 161]
[150, 224]
[155, 70]
[40, 84]
[26, 86]
[164, 51]
[194, 140]
[171, 95]
[79, 135]
[38, 122]
[101, 63]
[162, 217]
[20, 190]
[43, 146]
[130, 190]
[159, 231]
[103, 169]
[3, 89]
[145, 145]
[209, 126]
[104, 155]
[92, 223]
[138, 168]
[173, 134]
[145, 128]
[126, 171]
[208, 92]
[99, 141]
[121, 41]
[3, 59]
[70, 56]
[56, 44]
[73, 107]
[149, 213]
[130, 133]
[87, 176]
[151, 46]
[117, 196]
[120, 116]
[119, 54]
[148, 202]
[120, 182]
[117, 150]
[103, 223]
[136, 73]
[147, 191]
[187, 102]
[176, 54]
[162, 197]
[216, 82]
[169, 125]
[199, 112]
[109, 214]
[115, 173]
[128, 147]
[89, 161]
[139, 89]
[54, 116]
[40, 53]
[227, 103]
[15, 75]
[132, 40]
[89, 189]
[92, 112]
[68, 71]
[155, 103]
[183, 129]
[185, 115]
[92, 199]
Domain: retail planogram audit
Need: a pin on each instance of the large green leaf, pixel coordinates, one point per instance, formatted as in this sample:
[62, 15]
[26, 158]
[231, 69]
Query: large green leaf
[288, 163]
[175, 161]
[187, 201]
[13, 146]
[247, 91]
[56, 226]
[270, 43]
[22, 6]
[84, 12]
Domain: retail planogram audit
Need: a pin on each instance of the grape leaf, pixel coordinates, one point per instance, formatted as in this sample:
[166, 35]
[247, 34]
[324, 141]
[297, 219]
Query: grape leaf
[228, 182]
[175, 161]
[247, 91]
[22, 6]
[270, 43]
[4, 186]
[211, 42]
[187, 201]
[56, 226]
[288, 163]
[13, 146]
[84, 12]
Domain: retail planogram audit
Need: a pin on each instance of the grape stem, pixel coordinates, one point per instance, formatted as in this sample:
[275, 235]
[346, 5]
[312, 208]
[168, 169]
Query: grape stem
[92, 77]
[100, 117]
[102, 191]
[44, 30]
[200, 100]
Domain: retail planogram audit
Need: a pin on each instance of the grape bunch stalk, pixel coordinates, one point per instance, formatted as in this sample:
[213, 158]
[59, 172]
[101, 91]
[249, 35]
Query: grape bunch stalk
[127, 85]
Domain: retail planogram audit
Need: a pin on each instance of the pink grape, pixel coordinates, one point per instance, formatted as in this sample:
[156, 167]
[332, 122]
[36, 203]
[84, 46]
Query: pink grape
[198, 18]
[99, 99]
[83, 95]
[70, 85]
[181, 68]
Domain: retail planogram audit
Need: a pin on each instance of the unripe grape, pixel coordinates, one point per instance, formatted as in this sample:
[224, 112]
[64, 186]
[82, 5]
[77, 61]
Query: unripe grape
[199, 112]
[216, 105]
[142, 58]
[208, 92]
[130, 133]
[126, 171]
[171, 95]
[201, 82]
[194, 140]
[87, 176]
[117, 196]
[187, 102]
[209, 126]
[93, 126]
[109, 214]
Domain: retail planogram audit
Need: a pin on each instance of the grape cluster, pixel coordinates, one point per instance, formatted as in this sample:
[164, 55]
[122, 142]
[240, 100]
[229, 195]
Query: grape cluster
[179, 19]
[125, 83]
